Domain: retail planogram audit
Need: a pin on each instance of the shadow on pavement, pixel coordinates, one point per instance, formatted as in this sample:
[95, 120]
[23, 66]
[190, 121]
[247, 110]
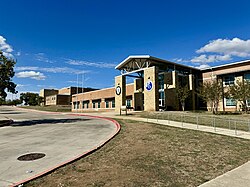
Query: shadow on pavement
[11, 112]
[46, 121]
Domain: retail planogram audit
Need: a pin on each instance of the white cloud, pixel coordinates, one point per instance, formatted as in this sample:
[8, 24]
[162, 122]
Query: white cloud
[93, 64]
[18, 53]
[42, 58]
[210, 58]
[31, 74]
[5, 48]
[234, 47]
[52, 69]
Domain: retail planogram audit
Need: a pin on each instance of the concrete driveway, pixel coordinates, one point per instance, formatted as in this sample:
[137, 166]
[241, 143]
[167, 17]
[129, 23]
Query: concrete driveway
[62, 137]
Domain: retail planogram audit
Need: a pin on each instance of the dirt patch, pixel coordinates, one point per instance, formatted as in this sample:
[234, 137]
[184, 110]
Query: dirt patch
[144, 154]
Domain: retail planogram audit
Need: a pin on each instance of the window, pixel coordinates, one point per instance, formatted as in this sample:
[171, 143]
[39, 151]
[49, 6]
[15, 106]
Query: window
[85, 104]
[161, 98]
[248, 102]
[99, 104]
[107, 104]
[128, 102]
[113, 103]
[230, 102]
[247, 76]
[93, 104]
[229, 80]
[74, 105]
[161, 82]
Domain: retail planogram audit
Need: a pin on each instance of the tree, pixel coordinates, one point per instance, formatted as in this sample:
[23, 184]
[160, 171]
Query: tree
[30, 98]
[211, 92]
[182, 94]
[6, 74]
[240, 92]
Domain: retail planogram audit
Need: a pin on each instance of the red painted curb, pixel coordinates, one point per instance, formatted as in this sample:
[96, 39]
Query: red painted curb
[118, 127]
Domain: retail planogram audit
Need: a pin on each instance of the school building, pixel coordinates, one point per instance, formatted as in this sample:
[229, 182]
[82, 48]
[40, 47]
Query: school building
[155, 83]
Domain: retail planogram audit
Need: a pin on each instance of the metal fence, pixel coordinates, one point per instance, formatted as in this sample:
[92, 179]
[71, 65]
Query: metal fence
[205, 120]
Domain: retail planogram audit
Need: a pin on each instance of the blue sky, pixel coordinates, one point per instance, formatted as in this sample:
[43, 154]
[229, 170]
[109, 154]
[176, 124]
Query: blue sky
[54, 40]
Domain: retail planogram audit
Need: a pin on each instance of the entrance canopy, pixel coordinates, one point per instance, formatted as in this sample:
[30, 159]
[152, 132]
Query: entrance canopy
[137, 63]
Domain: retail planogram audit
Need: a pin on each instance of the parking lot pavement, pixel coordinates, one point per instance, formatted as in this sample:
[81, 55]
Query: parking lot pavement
[61, 137]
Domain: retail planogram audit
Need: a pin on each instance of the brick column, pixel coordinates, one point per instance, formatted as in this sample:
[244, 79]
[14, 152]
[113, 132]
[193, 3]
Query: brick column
[120, 92]
[151, 90]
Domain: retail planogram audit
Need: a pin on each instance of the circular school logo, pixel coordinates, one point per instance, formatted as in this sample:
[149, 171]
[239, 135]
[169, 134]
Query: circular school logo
[118, 90]
[149, 85]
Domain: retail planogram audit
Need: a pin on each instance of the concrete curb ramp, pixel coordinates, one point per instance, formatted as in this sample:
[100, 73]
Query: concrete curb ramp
[118, 127]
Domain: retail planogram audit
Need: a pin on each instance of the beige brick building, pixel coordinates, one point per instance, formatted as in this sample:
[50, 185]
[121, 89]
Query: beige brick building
[62, 96]
[155, 83]
[228, 74]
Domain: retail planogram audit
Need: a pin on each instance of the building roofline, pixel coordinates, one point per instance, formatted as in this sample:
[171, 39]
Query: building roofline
[224, 65]
[152, 58]
[99, 90]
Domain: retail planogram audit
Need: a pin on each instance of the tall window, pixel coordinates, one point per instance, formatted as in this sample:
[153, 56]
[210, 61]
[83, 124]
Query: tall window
[107, 104]
[229, 80]
[113, 103]
[93, 104]
[128, 101]
[99, 104]
[161, 98]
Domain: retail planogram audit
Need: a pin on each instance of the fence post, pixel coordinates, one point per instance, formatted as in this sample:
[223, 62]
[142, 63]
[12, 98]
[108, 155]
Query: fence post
[214, 126]
[197, 121]
[249, 125]
[182, 120]
[235, 128]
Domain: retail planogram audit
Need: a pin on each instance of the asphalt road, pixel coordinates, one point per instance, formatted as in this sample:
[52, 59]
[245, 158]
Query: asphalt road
[60, 136]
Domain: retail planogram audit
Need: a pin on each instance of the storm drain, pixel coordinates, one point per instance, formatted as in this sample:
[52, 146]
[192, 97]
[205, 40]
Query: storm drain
[31, 156]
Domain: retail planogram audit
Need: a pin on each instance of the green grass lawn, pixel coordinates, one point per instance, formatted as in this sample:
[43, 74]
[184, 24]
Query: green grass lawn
[145, 154]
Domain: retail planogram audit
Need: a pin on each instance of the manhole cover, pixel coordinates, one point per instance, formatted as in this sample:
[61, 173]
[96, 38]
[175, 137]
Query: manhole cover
[31, 156]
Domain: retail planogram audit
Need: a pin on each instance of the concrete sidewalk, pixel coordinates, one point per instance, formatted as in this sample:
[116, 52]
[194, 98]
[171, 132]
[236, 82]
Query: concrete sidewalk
[215, 130]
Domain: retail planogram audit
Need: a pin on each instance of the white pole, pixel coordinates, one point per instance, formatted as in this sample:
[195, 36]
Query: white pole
[76, 92]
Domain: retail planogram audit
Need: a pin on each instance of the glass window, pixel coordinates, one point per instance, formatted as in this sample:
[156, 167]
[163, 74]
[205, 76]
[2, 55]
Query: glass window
[93, 104]
[161, 99]
[128, 101]
[229, 80]
[107, 104]
[161, 82]
[230, 102]
[113, 103]
[247, 76]
[248, 102]
[99, 104]
[83, 104]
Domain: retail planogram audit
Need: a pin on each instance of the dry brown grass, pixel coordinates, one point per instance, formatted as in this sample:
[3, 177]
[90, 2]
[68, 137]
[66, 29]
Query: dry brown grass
[144, 154]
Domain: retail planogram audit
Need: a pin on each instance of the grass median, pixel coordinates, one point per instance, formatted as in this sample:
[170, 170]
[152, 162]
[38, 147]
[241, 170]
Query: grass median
[145, 154]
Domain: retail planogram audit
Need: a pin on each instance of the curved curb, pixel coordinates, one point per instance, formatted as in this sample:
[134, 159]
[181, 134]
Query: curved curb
[118, 128]
[7, 123]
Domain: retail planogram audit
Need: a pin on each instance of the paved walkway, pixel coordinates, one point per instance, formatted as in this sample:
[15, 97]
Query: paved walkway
[238, 177]
[217, 130]
[61, 137]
